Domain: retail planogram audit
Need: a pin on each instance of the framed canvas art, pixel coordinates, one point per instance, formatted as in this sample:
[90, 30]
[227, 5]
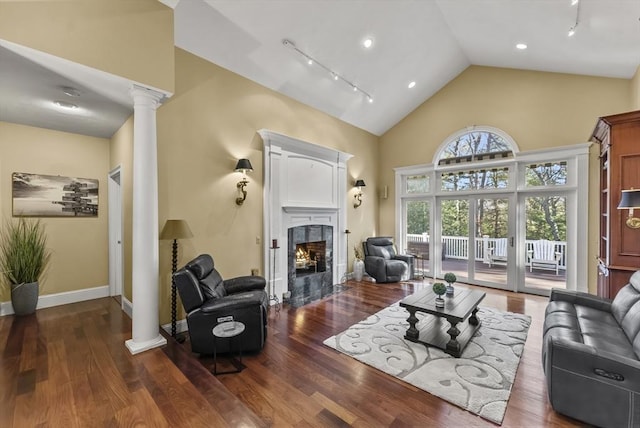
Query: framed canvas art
[39, 195]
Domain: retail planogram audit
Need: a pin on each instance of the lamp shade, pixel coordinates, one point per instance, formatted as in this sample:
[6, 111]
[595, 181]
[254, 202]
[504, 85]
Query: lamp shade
[175, 229]
[630, 199]
[360, 183]
[243, 166]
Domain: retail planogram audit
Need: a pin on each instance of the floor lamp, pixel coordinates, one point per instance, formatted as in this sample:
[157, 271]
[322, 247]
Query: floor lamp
[175, 229]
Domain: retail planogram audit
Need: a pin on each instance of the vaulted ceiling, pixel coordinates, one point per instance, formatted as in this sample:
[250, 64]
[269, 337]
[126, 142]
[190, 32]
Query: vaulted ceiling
[428, 42]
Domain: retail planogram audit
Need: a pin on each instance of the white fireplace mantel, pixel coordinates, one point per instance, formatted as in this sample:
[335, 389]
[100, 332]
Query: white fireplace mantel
[304, 184]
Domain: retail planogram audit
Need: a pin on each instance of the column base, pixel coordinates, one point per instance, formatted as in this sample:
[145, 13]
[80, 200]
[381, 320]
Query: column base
[138, 347]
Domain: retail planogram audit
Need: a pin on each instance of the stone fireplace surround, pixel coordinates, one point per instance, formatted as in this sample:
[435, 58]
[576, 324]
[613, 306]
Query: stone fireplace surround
[304, 185]
[308, 287]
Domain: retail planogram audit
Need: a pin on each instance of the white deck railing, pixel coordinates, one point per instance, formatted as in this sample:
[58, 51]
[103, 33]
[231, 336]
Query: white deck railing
[457, 247]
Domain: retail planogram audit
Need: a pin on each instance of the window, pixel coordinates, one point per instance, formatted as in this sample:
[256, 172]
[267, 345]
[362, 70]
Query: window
[546, 174]
[417, 183]
[476, 145]
[494, 178]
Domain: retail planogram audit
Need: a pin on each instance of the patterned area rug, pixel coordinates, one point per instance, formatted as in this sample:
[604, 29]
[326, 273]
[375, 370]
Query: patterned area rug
[480, 381]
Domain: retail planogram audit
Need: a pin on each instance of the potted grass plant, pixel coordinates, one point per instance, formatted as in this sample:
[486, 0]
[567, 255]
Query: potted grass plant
[23, 258]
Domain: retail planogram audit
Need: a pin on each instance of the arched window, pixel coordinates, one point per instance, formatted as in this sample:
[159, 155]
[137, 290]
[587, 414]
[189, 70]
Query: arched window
[479, 143]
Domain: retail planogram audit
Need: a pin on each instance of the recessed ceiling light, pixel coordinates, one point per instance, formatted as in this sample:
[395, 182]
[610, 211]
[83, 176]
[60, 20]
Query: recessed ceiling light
[310, 61]
[521, 46]
[368, 43]
[370, 99]
[70, 91]
[411, 85]
[571, 32]
[65, 105]
[574, 2]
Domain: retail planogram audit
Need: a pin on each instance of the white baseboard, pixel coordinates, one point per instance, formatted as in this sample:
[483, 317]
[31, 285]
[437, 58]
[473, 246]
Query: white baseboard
[127, 306]
[57, 299]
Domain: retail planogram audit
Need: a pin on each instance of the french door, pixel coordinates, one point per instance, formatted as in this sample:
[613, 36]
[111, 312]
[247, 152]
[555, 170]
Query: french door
[476, 237]
[546, 229]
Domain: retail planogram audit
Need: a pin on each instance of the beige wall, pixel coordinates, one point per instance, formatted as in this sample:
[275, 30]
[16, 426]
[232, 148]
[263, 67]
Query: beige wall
[203, 129]
[128, 38]
[635, 91]
[79, 244]
[121, 155]
[537, 109]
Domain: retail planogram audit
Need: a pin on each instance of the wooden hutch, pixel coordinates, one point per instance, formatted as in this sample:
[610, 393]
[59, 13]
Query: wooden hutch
[619, 246]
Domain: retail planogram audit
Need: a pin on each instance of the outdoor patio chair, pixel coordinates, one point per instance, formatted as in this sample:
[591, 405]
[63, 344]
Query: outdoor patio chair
[498, 254]
[544, 256]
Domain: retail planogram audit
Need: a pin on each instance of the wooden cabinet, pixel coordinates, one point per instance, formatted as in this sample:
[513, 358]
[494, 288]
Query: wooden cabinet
[619, 245]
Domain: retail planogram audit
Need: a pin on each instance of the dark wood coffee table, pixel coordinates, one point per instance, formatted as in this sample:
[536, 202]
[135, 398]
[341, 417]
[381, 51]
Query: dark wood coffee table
[459, 310]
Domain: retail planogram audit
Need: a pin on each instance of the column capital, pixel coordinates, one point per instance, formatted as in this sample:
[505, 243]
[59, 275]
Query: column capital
[145, 96]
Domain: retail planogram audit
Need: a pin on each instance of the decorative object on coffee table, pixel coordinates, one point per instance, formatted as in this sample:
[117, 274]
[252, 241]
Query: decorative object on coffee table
[450, 278]
[175, 229]
[439, 288]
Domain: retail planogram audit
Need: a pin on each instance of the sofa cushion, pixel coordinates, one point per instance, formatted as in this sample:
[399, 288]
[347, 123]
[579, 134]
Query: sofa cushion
[626, 310]
[396, 268]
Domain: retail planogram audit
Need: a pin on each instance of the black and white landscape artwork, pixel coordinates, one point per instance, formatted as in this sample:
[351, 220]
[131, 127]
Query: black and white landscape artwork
[38, 195]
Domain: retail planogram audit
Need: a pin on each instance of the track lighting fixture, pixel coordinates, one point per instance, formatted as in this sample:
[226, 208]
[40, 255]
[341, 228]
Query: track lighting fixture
[572, 30]
[312, 61]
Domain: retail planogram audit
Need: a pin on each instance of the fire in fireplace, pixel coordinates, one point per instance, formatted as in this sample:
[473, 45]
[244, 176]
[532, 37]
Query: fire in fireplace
[310, 258]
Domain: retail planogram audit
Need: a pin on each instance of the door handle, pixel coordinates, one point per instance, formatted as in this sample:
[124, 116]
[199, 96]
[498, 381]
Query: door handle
[511, 241]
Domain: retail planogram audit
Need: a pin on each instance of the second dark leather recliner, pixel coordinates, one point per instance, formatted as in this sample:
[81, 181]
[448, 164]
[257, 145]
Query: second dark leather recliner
[383, 263]
[209, 300]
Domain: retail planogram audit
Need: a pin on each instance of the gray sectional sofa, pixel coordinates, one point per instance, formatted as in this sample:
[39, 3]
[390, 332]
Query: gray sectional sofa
[591, 356]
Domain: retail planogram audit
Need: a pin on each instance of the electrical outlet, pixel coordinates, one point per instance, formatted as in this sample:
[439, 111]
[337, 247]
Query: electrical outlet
[257, 240]
[255, 271]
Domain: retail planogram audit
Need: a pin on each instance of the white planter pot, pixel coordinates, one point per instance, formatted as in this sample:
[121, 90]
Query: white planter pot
[358, 269]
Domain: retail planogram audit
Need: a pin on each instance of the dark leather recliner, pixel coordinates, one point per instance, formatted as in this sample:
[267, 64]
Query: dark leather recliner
[382, 263]
[208, 300]
[591, 355]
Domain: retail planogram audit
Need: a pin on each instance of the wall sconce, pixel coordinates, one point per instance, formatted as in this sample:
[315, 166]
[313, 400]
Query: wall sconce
[631, 200]
[243, 166]
[358, 196]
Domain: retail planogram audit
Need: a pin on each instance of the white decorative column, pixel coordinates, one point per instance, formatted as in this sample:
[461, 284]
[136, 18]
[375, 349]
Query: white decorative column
[145, 264]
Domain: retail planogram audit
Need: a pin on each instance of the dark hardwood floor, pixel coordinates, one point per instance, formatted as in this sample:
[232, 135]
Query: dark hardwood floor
[67, 366]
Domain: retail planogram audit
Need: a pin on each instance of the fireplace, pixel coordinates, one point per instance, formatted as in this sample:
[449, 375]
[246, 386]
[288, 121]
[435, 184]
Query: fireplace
[310, 263]
[310, 258]
[303, 214]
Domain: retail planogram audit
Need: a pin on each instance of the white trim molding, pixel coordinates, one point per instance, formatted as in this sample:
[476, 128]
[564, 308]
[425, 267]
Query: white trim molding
[65, 298]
